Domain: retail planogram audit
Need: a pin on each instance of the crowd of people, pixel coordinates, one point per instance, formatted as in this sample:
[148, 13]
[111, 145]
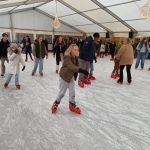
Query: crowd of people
[75, 58]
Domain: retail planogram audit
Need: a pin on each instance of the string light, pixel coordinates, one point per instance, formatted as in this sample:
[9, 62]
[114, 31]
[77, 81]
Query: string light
[56, 23]
[145, 10]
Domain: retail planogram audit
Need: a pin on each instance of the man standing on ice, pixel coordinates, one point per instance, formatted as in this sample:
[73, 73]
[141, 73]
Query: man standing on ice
[86, 55]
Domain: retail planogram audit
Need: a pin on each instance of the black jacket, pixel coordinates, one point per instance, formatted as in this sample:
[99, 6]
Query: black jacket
[3, 48]
[59, 49]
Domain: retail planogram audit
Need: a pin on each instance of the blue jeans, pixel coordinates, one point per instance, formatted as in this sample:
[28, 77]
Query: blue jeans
[140, 56]
[40, 61]
[91, 68]
[16, 78]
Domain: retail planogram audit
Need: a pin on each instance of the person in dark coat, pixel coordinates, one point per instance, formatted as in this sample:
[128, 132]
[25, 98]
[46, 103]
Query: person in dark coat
[112, 50]
[23, 41]
[59, 50]
[28, 50]
[46, 44]
[4, 44]
[29, 40]
[86, 56]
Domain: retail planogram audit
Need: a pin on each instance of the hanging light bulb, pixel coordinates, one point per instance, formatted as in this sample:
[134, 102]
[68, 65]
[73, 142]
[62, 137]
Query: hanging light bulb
[56, 23]
[145, 10]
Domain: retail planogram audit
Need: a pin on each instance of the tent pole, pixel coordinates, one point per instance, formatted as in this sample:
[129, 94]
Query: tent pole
[12, 37]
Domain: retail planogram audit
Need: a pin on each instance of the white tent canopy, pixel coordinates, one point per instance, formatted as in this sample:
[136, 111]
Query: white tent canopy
[76, 16]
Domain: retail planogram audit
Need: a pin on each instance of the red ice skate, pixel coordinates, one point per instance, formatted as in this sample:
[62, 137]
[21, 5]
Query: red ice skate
[80, 83]
[18, 86]
[54, 107]
[112, 59]
[86, 81]
[74, 108]
[91, 77]
[41, 74]
[119, 82]
[5, 85]
[149, 69]
[56, 71]
[113, 76]
[32, 74]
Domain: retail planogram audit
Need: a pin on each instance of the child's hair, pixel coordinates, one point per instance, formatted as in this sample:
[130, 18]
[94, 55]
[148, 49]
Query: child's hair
[68, 51]
[4, 34]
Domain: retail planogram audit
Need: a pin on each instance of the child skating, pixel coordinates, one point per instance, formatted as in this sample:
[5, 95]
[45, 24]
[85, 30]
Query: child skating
[15, 58]
[115, 72]
[67, 76]
[28, 50]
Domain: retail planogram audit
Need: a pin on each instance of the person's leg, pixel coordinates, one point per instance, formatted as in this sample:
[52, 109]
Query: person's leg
[121, 73]
[72, 91]
[138, 60]
[82, 65]
[35, 65]
[9, 78]
[57, 61]
[142, 60]
[62, 57]
[63, 85]
[16, 79]
[128, 69]
[30, 55]
[26, 55]
[3, 65]
[87, 67]
[91, 68]
[41, 65]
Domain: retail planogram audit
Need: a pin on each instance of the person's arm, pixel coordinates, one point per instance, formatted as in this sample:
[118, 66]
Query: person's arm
[54, 51]
[70, 64]
[12, 56]
[121, 51]
[34, 51]
[138, 48]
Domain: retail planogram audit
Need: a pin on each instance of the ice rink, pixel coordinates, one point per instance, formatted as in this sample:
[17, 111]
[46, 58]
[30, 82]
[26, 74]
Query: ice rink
[114, 117]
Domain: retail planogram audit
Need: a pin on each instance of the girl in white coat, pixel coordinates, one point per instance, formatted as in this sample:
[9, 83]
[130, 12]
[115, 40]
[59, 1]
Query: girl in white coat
[15, 58]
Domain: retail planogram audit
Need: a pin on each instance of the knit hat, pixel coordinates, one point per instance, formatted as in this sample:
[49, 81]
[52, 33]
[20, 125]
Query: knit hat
[13, 45]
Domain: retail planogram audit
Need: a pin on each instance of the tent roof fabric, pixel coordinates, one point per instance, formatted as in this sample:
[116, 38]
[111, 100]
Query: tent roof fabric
[87, 15]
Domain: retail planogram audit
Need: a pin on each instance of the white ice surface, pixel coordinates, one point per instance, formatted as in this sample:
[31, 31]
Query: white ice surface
[114, 117]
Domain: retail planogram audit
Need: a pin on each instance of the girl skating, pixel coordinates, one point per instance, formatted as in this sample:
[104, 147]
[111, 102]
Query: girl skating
[68, 73]
[15, 58]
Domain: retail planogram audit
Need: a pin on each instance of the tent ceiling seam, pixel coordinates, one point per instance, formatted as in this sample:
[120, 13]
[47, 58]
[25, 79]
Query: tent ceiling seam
[112, 14]
[52, 17]
[82, 14]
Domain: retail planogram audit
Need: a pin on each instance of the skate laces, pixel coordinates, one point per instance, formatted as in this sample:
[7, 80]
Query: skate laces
[55, 105]
[74, 105]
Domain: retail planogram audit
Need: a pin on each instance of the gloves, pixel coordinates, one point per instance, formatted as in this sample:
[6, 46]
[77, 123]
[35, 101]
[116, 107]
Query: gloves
[23, 68]
[84, 72]
[16, 51]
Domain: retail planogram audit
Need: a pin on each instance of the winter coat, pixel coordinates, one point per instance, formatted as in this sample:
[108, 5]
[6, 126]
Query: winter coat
[140, 45]
[14, 61]
[112, 48]
[28, 48]
[69, 68]
[3, 48]
[125, 55]
[87, 49]
[59, 49]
